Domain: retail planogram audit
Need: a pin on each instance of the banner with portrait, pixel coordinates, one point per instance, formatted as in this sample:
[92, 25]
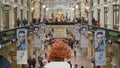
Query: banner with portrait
[84, 36]
[42, 31]
[22, 46]
[100, 52]
[77, 31]
[36, 36]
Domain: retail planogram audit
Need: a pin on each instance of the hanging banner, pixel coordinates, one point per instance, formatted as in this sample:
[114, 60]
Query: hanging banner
[77, 31]
[36, 36]
[42, 31]
[84, 36]
[100, 54]
[21, 46]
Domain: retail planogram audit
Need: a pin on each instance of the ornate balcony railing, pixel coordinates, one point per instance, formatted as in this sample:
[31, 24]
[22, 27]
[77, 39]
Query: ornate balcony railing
[10, 34]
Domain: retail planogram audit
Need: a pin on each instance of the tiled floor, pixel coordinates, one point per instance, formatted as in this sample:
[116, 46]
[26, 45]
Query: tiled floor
[81, 60]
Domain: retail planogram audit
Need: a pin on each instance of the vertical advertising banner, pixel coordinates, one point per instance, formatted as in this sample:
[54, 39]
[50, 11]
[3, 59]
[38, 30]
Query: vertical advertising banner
[84, 36]
[21, 46]
[100, 53]
[42, 31]
[77, 31]
[36, 36]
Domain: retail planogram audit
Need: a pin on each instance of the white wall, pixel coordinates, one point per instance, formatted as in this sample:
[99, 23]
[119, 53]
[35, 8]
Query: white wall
[101, 7]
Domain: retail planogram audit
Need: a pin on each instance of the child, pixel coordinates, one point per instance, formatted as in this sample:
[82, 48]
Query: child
[76, 66]
[75, 51]
[82, 67]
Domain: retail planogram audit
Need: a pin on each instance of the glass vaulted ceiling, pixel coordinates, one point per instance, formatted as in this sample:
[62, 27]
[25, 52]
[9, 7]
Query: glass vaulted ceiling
[59, 1]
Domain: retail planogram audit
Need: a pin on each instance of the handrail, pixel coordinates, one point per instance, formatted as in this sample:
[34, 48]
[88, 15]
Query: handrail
[13, 29]
[104, 28]
[61, 23]
[108, 31]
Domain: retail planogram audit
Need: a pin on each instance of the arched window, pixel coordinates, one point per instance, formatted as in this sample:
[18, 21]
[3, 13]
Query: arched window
[115, 16]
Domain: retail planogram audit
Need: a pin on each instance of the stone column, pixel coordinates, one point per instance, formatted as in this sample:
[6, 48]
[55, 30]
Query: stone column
[1, 16]
[102, 17]
[1, 19]
[29, 11]
[90, 13]
[110, 16]
[42, 13]
[25, 9]
[72, 14]
[18, 9]
[37, 8]
[11, 19]
[119, 16]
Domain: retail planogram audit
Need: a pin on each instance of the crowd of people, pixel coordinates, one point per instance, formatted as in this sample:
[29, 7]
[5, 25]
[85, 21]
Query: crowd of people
[23, 22]
[81, 20]
[95, 22]
[73, 45]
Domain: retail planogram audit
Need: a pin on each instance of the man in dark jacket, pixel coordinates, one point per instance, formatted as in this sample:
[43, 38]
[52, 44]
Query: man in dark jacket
[25, 22]
[29, 62]
[40, 59]
[18, 22]
[4, 63]
[33, 62]
[93, 21]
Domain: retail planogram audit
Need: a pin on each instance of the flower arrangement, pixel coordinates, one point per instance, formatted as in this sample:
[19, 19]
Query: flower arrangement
[59, 51]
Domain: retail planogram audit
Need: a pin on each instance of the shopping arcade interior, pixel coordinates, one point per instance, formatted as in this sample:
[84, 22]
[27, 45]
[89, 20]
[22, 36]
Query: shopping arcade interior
[112, 42]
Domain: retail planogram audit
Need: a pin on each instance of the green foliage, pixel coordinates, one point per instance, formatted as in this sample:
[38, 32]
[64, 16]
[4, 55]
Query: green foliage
[9, 33]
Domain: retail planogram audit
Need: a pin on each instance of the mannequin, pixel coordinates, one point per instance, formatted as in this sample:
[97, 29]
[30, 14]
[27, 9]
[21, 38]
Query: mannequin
[59, 16]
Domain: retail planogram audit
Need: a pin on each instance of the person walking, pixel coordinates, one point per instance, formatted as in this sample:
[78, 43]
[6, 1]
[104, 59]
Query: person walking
[25, 22]
[75, 51]
[93, 21]
[29, 62]
[40, 59]
[18, 22]
[33, 62]
[76, 66]
[82, 66]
